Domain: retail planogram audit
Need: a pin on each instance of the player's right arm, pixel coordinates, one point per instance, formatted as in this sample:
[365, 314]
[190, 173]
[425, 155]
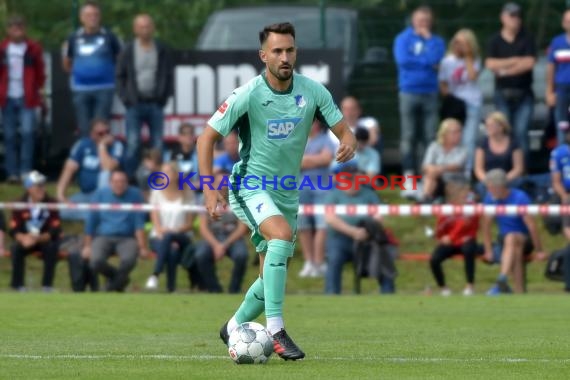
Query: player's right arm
[220, 125]
[205, 146]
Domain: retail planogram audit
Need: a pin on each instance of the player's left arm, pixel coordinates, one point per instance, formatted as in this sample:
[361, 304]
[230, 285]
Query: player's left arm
[347, 147]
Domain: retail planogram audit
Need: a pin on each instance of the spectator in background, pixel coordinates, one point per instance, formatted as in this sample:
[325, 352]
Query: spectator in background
[456, 234]
[352, 112]
[171, 226]
[558, 78]
[368, 159]
[319, 153]
[498, 150]
[225, 162]
[22, 77]
[511, 56]
[418, 53]
[518, 235]
[115, 232]
[444, 161]
[35, 230]
[2, 233]
[184, 153]
[342, 231]
[151, 162]
[90, 58]
[223, 237]
[458, 78]
[560, 174]
[144, 84]
[92, 158]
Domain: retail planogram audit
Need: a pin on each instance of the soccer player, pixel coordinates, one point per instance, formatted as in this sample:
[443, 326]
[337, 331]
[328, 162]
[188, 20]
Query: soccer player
[273, 114]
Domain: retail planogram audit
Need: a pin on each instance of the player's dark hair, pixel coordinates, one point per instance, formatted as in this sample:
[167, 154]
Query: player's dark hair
[280, 28]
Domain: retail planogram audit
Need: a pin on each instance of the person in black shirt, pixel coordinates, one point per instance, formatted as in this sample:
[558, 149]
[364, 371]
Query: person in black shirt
[511, 57]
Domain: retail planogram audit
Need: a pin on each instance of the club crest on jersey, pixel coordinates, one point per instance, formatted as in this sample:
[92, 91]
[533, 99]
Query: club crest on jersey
[300, 101]
[280, 129]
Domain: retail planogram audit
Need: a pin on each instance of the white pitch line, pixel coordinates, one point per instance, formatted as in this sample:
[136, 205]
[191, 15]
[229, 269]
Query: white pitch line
[317, 358]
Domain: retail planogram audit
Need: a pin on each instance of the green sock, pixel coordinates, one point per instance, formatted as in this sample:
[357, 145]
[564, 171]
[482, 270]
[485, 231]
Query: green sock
[253, 303]
[275, 275]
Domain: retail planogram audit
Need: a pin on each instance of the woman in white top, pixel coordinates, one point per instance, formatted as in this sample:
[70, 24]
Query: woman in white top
[170, 227]
[458, 75]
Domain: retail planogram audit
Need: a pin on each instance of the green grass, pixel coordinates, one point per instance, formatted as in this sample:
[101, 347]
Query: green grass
[139, 336]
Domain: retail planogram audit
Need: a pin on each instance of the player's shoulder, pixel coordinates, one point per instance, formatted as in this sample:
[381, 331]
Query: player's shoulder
[248, 87]
[305, 81]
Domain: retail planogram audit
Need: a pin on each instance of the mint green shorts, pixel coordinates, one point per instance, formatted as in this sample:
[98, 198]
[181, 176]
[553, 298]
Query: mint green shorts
[254, 206]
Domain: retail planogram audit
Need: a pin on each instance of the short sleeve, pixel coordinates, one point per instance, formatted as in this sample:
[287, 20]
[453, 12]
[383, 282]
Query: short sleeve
[230, 112]
[523, 198]
[327, 111]
[76, 152]
[443, 70]
[429, 158]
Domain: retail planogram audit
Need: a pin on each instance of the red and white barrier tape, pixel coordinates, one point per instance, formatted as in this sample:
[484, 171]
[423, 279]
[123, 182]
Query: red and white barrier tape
[360, 209]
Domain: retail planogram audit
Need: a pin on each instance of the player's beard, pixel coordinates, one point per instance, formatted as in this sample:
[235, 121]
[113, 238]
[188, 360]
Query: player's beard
[282, 77]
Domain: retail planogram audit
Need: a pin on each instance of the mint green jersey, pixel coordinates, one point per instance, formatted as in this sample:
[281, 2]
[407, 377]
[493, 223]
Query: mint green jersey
[274, 126]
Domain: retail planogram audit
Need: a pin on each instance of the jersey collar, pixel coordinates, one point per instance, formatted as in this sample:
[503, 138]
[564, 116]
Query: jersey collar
[287, 91]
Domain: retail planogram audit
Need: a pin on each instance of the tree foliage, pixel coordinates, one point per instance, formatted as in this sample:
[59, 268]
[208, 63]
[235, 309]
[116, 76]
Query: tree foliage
[180, 21]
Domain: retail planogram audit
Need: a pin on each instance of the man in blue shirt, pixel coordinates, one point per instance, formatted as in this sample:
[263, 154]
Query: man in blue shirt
[92, 158]
[518, 234]
[225, 162]
[343, 230]
[560, 172]
[417, 52]
[90, 59]
[115, 232]
[558, 77]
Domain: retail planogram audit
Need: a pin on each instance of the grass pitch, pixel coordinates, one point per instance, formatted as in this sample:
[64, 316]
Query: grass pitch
[155, 336]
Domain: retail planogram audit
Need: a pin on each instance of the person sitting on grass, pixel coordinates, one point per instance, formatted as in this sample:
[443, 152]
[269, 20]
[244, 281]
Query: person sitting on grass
[518, 234]
[223, 237]
[445, 160]
[35, 230]
[456, 234]
[171, 226]
[343, 230]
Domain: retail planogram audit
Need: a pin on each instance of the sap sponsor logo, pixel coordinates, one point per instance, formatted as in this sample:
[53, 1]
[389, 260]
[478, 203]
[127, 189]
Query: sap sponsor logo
[280, 129]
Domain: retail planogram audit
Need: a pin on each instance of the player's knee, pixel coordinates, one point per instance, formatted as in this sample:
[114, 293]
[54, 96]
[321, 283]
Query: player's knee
[283, 232]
